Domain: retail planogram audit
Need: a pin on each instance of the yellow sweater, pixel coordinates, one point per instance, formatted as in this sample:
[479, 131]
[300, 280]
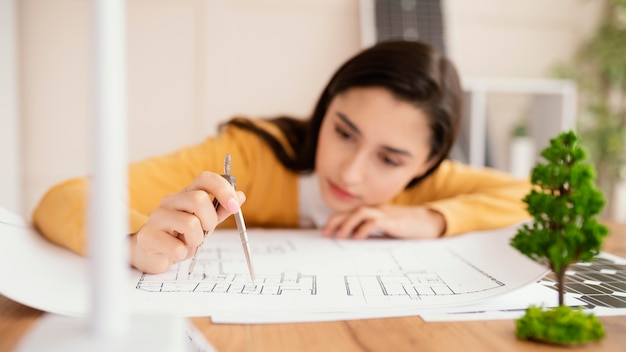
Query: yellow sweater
[470, 199]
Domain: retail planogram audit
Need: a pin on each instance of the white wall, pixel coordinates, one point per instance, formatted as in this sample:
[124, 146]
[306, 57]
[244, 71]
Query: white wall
[193, 63]
[519, 39]
[264, 58]
[10, 141]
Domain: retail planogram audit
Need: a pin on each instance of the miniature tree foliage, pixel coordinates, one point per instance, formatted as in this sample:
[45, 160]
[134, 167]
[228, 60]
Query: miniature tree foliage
[563, 203]
[561, 325]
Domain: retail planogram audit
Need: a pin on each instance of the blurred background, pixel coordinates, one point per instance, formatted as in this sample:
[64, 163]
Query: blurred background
[195, 63]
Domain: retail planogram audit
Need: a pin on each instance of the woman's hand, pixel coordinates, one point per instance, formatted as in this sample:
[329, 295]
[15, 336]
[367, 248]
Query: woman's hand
[176, 227]
[392, 220]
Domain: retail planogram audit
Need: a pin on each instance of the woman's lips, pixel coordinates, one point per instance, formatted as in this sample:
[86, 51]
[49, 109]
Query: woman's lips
[339, 192]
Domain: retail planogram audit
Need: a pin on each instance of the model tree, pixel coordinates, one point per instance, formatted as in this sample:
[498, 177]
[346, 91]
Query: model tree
[564, 203]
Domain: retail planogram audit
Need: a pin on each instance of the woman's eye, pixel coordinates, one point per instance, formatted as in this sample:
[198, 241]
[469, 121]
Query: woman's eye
[388, 161]
[342, 133]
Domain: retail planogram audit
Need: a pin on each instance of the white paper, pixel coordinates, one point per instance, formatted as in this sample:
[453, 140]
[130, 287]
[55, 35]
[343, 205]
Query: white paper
[508, 304]
[299, 273]
[612, 289]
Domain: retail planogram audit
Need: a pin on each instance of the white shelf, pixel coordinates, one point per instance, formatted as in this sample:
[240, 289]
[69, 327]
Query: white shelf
[553, 109]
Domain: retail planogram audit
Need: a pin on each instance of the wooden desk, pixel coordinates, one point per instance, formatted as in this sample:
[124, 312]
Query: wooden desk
[390, 334]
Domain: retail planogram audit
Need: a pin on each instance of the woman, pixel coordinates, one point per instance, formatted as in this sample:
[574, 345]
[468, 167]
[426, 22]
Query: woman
[371, 159]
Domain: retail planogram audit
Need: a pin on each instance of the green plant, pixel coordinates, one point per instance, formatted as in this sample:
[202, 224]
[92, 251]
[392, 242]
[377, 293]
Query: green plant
[561, 325]
[520, 129]
[563, 203]
[599, 69]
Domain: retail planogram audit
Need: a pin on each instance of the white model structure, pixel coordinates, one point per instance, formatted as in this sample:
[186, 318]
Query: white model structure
[109, 325]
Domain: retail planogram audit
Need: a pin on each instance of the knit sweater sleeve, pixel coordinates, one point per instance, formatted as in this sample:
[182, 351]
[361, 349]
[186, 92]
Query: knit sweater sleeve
[270, 189]
[469, 198]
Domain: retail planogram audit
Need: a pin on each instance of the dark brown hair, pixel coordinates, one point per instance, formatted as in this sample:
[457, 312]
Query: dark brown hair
[411, 71]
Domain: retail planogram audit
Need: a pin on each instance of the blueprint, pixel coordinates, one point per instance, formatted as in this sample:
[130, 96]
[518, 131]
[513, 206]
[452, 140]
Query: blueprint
[299, 274]
[313, 273]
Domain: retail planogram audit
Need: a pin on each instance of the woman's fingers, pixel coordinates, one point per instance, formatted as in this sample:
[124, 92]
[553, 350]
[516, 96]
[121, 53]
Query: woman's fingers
[177, 227]
[221, 189]
[350, 224]
[333, 223]
[155, 248]
[393, 221]
[367, 221]
[366, 229]
[190, 210]
[183, 226]
[357, 224]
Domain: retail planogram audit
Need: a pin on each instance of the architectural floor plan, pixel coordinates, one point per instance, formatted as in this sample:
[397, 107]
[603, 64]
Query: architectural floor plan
[299, 275]
[378, 272]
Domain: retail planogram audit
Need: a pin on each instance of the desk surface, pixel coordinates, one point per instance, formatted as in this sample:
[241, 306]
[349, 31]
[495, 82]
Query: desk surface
[389, 334]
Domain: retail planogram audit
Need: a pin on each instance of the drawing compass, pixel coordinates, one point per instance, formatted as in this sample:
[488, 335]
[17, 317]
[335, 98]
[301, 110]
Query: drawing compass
[241, 225]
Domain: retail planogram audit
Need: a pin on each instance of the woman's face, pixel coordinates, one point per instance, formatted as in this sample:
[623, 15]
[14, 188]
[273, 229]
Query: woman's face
[370, 146]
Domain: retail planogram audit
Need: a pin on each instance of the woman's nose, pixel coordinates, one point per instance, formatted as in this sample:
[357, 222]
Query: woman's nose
[352, 168]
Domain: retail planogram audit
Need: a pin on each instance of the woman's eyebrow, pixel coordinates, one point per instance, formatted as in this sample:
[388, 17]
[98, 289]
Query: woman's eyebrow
[355, 129]
[397, 151]
[347, 121]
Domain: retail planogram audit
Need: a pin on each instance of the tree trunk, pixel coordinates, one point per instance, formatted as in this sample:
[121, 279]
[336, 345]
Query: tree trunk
[560, 284]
